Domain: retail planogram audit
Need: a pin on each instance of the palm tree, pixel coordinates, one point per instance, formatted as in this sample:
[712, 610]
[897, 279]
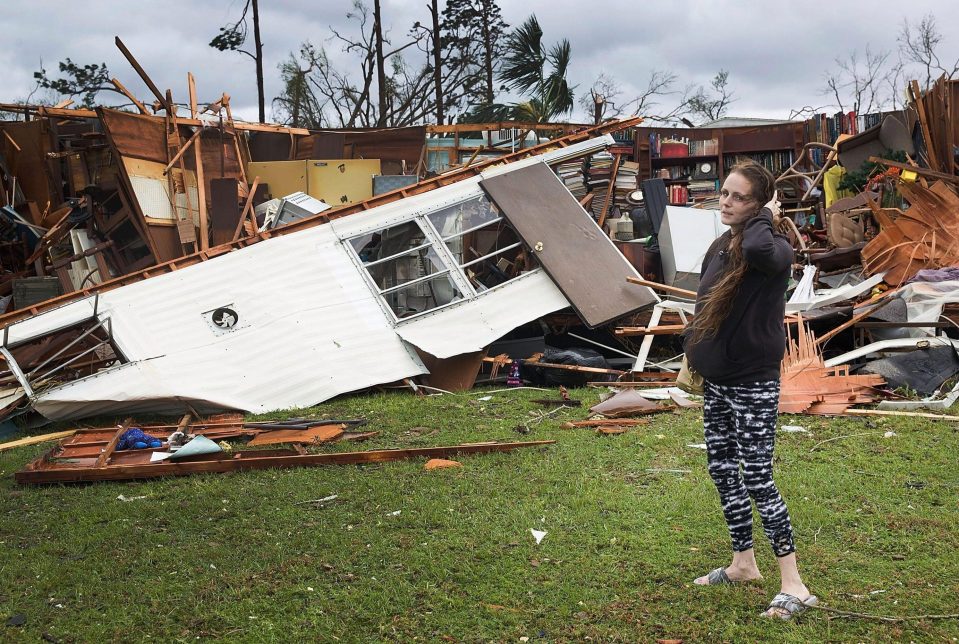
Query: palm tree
[524, 70]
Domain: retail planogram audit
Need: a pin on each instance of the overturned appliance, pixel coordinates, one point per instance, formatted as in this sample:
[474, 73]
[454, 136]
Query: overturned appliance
[297, 319]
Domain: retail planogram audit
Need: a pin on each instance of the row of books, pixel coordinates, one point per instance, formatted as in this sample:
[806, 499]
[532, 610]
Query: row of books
[823, 128]
[775, 162]
[706, 147]
[686, 146]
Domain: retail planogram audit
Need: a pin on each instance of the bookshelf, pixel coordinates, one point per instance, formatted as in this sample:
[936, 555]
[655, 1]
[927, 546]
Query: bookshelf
[709, 154]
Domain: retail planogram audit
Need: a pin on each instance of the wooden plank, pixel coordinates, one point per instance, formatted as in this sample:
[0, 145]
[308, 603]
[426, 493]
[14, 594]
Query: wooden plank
[672, 290]
[581, 260]
[203, 224]
[39, 472]
[143, 75]
[317, 434]
[895, 412]
[111, 447]
[926, 172]
[183, 148]
[926, 133]
[610, 191]
[123, 90]
[662, 329]
[191, 90]
[247, 209]
[36, 440]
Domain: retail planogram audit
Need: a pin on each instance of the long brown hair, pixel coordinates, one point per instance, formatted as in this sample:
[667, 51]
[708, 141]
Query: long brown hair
[716, 304]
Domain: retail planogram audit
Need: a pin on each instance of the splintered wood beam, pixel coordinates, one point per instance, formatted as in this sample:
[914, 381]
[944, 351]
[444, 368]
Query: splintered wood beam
[921, 171]
[880, 301]
[609, 191]
[662, 329]
[139, 70]
[111, 447]
[662, 287]
[236, 139]
[183, 148]
[123, 90]
[247, 209]
[191, 89]
[35, 440]
[12, 142]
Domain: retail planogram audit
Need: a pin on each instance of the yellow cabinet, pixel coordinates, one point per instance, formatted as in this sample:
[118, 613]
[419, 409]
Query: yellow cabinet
[338, 182]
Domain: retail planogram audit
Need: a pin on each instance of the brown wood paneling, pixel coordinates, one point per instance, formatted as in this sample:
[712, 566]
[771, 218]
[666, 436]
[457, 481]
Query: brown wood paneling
[224, 210]
[36, 176]
[133, 135]
[573, 250]
[393, 144]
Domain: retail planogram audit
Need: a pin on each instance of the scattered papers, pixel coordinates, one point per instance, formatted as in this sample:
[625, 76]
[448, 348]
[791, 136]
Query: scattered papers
[794, 429]
[127, 499]
[697, 445]
[538, 535]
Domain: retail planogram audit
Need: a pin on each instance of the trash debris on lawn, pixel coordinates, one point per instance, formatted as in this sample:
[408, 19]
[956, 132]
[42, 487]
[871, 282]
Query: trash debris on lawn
[441, 463]
[177, 259]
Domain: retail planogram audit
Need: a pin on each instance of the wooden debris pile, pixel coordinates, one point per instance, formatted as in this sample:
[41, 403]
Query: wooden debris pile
[926, 235]
[808, 386]
[92, 455]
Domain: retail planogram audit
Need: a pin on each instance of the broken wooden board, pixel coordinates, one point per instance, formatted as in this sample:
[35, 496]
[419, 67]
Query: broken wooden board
[606, 422]
[926, 235]
[136, 465]
[314, 435]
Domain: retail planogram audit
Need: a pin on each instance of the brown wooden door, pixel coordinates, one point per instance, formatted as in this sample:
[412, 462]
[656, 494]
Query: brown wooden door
[572, 249]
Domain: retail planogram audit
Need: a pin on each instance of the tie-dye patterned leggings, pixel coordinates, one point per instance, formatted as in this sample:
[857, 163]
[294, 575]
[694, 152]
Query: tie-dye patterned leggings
[740, 429]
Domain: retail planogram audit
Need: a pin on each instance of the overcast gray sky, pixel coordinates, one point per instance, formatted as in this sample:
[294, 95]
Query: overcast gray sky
[777, 52]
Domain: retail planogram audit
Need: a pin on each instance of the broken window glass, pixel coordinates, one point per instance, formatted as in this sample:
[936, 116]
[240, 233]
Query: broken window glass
[422, 295]
[414, 274]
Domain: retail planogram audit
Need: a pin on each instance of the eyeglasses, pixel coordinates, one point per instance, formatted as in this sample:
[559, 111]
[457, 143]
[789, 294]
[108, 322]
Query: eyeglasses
[735, 196]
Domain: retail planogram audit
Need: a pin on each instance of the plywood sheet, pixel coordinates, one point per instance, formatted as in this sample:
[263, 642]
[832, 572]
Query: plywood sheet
[573, 250]
[341, 182]
[283, 177]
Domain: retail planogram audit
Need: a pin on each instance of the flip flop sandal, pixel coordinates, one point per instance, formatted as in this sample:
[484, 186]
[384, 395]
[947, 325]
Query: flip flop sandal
[718, 577]
[791, 604]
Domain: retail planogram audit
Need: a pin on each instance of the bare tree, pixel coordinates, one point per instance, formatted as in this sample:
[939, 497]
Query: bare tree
[860, 84]
[713, 103]
[918, 44]
[316, 94]
[232, 37]
[604, 95]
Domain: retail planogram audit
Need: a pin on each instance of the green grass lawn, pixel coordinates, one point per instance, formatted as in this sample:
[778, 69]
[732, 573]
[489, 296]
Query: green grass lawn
[405, 554]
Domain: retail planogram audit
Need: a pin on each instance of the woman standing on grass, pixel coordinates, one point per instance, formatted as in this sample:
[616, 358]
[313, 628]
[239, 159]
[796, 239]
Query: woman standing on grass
[736, 341]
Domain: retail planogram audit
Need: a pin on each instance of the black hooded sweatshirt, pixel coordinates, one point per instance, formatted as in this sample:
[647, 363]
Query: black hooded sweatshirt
[751, 341]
